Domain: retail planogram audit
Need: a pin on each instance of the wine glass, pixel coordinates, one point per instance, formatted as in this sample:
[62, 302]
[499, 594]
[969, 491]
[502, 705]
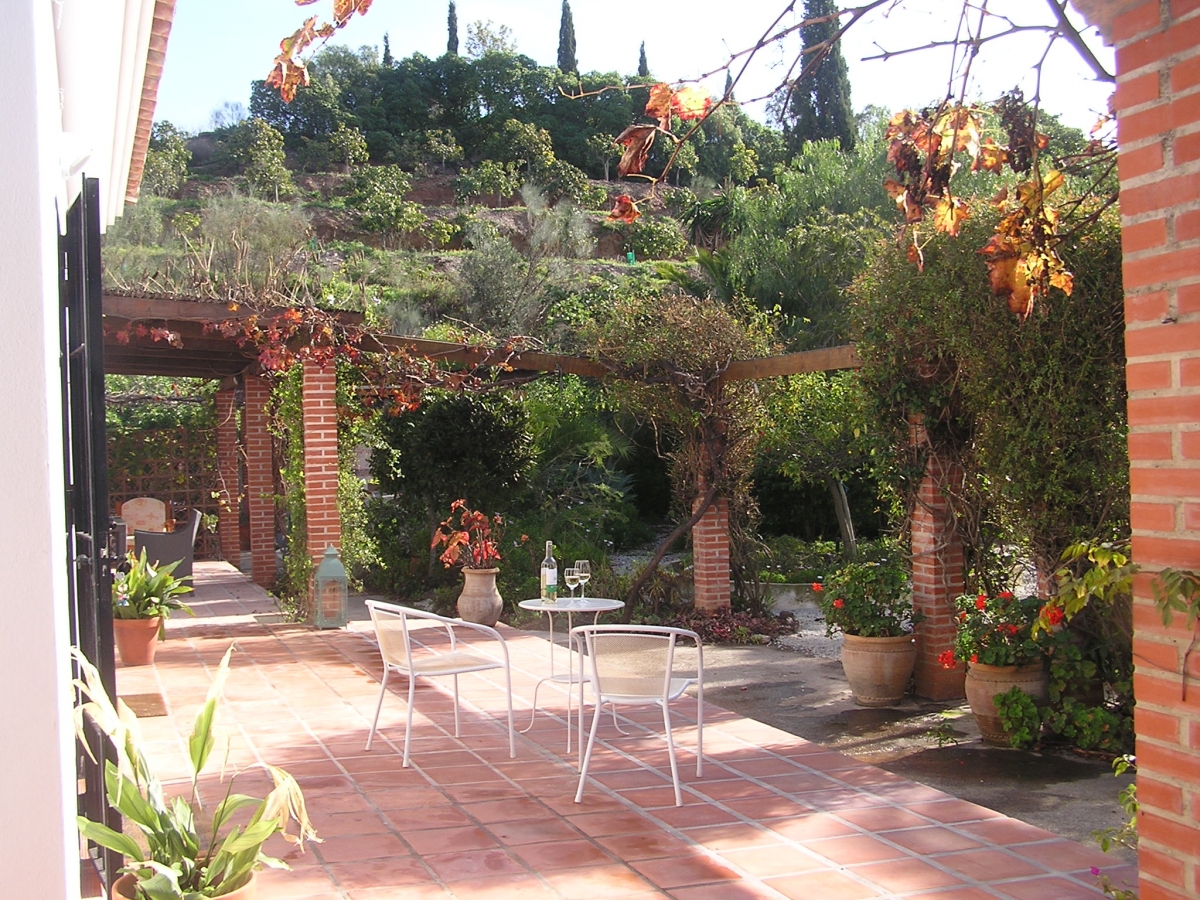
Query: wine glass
[571, 576]
[583, 572]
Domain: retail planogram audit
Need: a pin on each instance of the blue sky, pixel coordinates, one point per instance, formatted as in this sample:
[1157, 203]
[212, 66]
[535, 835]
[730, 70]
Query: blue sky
[217, 47]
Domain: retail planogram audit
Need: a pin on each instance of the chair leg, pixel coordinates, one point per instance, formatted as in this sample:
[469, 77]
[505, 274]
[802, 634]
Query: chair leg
[456, 704]
[671, 753]
[533, 713]
[700, 735]
[378, 706]
[412, 685]
[512, 738]
[587, 754]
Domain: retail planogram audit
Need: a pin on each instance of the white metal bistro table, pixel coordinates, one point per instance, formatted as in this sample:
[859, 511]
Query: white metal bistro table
[570, 606]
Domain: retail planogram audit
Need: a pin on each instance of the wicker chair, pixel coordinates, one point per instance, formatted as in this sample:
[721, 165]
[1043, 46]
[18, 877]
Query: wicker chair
[166, 547]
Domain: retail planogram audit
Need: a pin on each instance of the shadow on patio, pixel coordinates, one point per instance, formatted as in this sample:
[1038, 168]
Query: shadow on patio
[773, 816]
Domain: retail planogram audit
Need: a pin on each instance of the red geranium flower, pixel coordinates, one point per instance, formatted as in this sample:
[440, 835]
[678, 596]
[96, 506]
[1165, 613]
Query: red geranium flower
[974, 657]
[981, 601]
[839, 603]
[946, 658]
[1005, 595]
[1053, 614]
[817, 587]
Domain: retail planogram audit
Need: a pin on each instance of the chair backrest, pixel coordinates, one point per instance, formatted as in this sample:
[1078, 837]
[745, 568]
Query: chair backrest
[391, 630]
[633, 661]
[193, 526]
[144, 514]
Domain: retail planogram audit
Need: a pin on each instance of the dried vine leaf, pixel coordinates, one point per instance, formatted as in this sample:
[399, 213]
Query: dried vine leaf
[691, 103]
[949, 215]
[624, 210]
[637, 141]
[659, 105]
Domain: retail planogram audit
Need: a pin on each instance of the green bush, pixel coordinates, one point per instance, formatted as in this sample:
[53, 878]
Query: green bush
[657, 238]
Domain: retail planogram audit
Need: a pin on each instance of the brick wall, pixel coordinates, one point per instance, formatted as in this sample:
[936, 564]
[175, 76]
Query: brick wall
[260, 479]
[321, 460]
[938, 577]
[710, 554]
[228, 529]
[1158, 105]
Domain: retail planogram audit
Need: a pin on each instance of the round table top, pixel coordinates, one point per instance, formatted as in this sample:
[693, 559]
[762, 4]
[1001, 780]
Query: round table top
[579, 604]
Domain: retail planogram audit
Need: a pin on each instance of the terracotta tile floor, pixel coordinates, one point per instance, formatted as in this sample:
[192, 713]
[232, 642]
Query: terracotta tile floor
[773, 815]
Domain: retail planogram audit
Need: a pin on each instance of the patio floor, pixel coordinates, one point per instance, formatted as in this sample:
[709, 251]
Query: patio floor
[773, 815]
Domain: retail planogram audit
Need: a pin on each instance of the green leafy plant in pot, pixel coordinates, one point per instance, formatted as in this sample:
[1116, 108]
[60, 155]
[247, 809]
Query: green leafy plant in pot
[870, 603]
[175, 858]
[144, 596]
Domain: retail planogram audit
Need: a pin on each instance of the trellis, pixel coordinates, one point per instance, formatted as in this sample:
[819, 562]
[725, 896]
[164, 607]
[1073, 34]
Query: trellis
[175, 465]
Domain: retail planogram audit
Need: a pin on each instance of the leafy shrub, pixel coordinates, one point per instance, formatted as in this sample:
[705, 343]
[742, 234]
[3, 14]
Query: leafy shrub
[657, 238]
[868, 599]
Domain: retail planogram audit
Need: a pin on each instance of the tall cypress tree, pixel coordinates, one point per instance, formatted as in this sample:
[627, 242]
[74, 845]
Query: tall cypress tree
[387, 52]
[566, 42]
[819, 105]
[452, 30]
[643, 66]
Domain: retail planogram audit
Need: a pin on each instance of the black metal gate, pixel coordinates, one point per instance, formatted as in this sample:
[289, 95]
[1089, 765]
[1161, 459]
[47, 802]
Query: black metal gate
[91, 548]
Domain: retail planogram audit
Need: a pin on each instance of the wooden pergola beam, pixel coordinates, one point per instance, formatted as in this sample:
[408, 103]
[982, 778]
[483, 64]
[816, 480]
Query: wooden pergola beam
[827, 359]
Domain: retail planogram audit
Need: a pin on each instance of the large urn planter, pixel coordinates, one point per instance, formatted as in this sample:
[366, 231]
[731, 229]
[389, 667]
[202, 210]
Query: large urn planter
[125, 888]
[984, 682]
[137, 640]
[480, 601]
[878, 668]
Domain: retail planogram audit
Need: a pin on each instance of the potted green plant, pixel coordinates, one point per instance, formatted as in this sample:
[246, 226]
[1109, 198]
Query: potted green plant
[993, 636]
[473, 543]
[870, 603]
[144, 595]
[174, 857]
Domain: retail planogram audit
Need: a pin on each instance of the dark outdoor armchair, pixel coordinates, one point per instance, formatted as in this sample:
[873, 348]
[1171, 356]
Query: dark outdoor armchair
[166, 547]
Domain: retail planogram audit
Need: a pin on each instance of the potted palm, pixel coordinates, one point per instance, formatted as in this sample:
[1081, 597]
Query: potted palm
[143, 597]
[870, 603]
[172, 856]
[993, 636]
[474, 544]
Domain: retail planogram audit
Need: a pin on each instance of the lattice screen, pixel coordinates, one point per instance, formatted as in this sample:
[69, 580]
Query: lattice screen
[175, 465]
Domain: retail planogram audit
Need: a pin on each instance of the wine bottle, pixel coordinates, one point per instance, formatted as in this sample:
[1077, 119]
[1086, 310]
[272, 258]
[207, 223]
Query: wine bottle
[549, 575]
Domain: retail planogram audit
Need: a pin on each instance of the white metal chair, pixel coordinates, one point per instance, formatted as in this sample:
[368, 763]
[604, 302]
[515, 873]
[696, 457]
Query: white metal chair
[635, 665]
[405, 656]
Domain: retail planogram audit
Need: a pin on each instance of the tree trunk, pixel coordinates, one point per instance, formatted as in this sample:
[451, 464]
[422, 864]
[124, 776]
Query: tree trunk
[841, 506]
[705, 502]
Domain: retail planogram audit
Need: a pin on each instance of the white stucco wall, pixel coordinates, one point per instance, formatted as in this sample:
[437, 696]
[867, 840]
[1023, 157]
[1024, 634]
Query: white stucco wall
[39, 849]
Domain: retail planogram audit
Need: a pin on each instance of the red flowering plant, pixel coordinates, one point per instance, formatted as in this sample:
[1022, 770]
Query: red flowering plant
[995, 630]
[474, 542]
[869, 599]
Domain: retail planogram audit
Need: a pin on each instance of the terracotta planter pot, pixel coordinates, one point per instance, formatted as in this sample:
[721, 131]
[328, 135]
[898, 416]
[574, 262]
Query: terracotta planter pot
[985, 682]
[123, 888]
[878, 669]
[137, 640]
[480, 601]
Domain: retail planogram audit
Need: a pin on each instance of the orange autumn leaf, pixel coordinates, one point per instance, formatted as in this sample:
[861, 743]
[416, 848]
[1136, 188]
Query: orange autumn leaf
[691, 103]
[637, 141]
[624, 210]
[659, 105]
[949, 215]
[1064, 281]
[991, 158]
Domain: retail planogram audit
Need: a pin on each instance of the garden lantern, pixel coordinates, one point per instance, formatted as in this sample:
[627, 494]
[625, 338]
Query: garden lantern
[330, 587]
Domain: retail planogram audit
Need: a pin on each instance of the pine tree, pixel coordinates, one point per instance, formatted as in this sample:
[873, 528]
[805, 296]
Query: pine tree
[387, 52]
[643, 66]
[819, 105]
[566, 42]
[452, 30]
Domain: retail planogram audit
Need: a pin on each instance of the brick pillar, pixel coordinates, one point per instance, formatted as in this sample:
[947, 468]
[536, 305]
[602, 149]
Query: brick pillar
[228, 530]
[260, 479]
[1157, 102]
[937, 555]
[710, 556]
[324, 526]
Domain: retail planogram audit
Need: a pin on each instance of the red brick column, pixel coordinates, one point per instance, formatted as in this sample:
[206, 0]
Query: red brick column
[937, 557]
[228, 530]
[710, 555]
[1158, 121]
[324, 526]
[260, 479]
